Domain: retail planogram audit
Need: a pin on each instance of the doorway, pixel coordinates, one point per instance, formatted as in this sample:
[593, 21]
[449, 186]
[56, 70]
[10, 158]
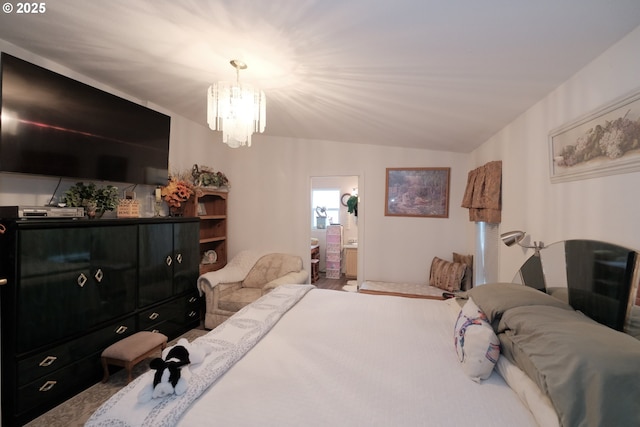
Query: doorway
[338, 188]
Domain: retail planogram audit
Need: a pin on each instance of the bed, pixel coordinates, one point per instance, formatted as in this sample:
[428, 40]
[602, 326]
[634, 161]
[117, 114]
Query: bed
[305, 356]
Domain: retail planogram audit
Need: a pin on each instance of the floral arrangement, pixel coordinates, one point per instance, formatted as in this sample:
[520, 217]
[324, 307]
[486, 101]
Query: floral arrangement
[205, 176]
[177, 191]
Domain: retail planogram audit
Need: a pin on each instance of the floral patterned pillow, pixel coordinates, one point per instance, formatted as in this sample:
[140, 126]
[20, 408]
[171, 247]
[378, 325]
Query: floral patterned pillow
[477, 346]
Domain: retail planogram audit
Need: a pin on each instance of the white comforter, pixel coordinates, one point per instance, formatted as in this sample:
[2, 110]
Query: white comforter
[346, 359]
[228, 343]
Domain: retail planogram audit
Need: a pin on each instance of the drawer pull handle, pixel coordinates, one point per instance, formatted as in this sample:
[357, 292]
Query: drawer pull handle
[179, 258]
[193, 299]
[99, 275]
[3, 282]
[121, 330]
[47, 386]
[154, 316]
[192, 314]
[82, 279]
[47, 361]
[168, 261]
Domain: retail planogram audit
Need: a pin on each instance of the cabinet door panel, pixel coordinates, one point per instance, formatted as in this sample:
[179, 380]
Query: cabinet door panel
[54, 273]
[114, 252]
[156, 263]
[187, 255]
[72, 279]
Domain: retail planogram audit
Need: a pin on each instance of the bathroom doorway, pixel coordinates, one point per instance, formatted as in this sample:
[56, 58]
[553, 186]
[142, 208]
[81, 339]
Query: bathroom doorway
[331, 195]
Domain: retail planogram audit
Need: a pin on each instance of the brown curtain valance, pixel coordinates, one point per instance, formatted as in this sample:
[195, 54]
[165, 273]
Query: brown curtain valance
[483, 195]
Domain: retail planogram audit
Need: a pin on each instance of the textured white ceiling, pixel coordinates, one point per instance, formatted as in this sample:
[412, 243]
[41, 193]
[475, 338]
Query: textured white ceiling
[438, 74]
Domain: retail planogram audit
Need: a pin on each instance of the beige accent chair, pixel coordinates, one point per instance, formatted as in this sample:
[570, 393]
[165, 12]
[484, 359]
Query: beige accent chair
[271, 270]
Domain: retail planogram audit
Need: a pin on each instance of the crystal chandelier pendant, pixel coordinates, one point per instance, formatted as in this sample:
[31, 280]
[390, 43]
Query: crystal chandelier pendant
[236, 109]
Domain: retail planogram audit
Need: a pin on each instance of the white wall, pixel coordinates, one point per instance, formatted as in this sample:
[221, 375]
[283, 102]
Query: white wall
[270, 192]
[270, 182]
[270, 199]
[605, 208]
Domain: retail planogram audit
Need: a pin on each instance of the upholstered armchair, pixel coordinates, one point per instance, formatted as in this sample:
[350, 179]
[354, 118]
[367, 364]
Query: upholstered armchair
[244, 279]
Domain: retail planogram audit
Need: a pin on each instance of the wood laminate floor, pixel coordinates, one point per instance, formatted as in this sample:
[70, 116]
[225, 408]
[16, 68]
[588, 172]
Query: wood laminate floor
[335, 284]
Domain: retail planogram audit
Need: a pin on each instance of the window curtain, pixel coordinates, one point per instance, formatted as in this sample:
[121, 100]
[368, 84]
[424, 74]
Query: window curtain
[483, 195]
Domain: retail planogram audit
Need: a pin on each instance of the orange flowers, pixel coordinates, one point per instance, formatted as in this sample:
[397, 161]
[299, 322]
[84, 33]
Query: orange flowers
[176, 192]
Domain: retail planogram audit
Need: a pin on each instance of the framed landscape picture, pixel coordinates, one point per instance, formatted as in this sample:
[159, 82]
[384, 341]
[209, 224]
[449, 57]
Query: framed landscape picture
[419, 192]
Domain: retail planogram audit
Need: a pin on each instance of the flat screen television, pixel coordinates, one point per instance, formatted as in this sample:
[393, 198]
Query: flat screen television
[56, 126]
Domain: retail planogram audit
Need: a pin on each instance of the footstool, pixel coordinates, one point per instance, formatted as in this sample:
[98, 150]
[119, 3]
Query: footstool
[131, 350]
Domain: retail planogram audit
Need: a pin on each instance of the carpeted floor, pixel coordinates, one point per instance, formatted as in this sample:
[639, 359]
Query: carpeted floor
[77, 410]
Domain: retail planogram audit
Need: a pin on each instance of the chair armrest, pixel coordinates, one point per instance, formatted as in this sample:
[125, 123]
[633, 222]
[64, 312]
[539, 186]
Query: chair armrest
[212, 295]
[293, 278]
[226, 288]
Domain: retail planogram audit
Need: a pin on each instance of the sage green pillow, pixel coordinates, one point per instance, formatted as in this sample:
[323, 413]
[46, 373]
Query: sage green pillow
[496, 298]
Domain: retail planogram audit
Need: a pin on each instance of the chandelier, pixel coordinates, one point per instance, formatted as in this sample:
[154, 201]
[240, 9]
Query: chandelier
[236, 109]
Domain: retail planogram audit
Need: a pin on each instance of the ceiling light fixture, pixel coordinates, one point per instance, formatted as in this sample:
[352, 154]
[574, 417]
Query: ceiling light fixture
[236, 109]
[510, 238]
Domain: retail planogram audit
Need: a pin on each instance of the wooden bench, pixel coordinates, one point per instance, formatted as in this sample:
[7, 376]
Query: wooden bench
[131, 350]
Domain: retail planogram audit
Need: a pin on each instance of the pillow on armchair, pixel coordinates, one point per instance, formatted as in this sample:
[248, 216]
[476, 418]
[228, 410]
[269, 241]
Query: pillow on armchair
[446, 275]
[467, 280]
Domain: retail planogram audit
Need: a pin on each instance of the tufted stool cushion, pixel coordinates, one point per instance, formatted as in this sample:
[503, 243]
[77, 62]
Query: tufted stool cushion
[131, 350]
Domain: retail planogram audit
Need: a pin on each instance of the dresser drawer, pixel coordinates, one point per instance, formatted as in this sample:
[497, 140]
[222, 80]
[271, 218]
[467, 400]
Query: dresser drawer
[173, 317]
[150, 319]
[190, 309]
[53, 359]
[58, 386]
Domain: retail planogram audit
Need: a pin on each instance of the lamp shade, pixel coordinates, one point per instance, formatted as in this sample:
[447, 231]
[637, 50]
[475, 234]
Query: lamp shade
[510, 238]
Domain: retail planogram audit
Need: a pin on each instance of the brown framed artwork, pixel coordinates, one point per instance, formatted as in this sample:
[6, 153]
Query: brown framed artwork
[419, 192]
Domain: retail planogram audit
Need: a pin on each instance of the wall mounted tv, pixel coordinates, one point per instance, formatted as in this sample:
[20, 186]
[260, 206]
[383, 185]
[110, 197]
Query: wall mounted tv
[56, 126]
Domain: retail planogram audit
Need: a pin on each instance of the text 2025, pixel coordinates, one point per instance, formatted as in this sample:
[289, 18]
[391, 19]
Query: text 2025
[31, 7]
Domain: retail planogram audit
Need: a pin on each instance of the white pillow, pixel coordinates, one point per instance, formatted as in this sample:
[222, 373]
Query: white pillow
[477, 346]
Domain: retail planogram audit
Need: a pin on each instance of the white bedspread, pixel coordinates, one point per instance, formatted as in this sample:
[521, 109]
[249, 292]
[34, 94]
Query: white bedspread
[229, 342]
[347, 359]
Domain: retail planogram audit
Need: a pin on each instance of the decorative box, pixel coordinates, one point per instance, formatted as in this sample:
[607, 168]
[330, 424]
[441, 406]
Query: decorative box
[128, 208]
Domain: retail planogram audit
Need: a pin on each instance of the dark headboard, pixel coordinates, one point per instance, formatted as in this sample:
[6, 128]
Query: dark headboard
[597, 278]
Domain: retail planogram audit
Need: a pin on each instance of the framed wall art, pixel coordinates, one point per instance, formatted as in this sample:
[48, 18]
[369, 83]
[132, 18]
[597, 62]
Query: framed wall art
[419, 192]
[603, 142]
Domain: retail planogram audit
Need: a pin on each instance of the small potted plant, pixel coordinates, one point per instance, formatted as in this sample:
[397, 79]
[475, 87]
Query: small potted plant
[321, 217]
[352, 205]
[95, 200]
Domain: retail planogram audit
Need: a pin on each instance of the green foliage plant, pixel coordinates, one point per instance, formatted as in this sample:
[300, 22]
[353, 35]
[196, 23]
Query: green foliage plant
[85, 195]
[352, 205]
